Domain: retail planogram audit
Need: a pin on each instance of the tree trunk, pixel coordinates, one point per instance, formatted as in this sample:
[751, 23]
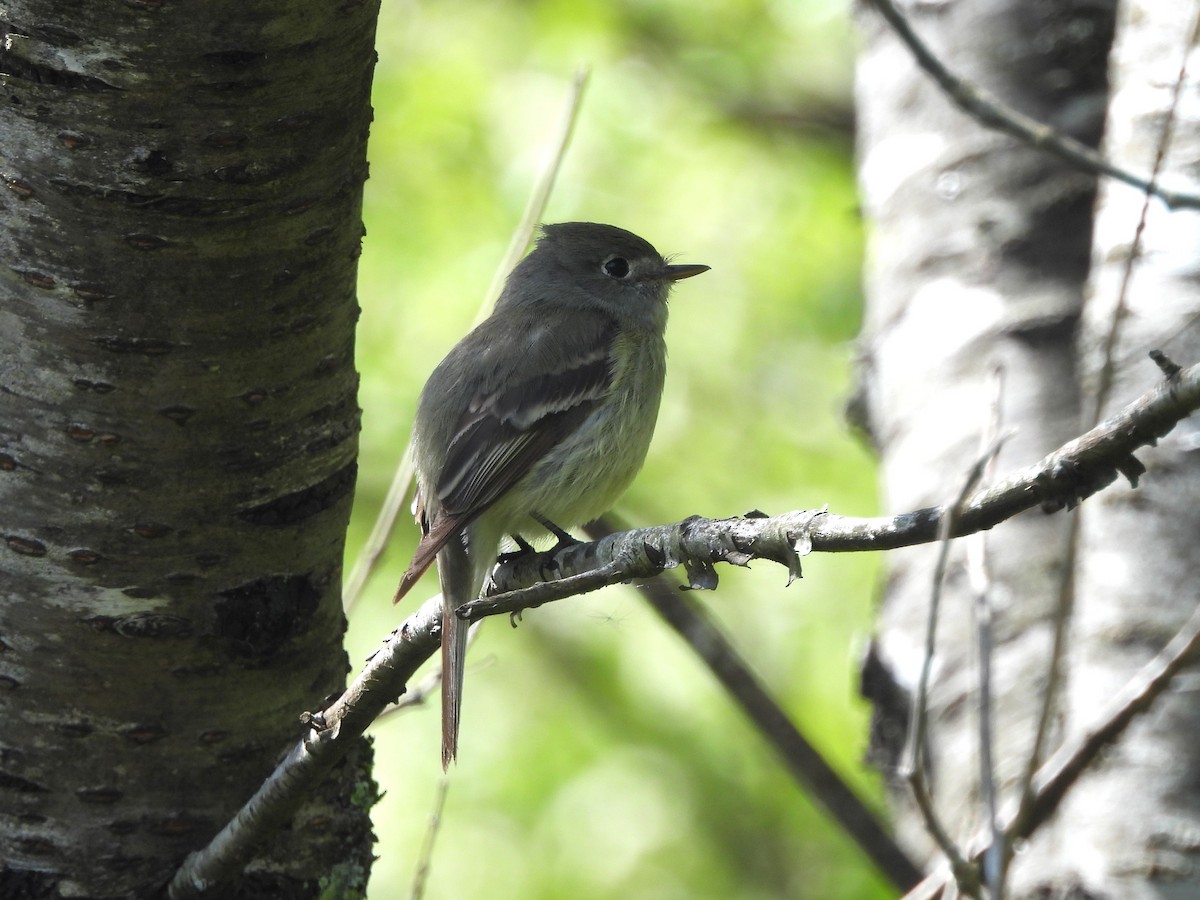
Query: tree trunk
[1128, 828]
[178, 428]
[978, 255]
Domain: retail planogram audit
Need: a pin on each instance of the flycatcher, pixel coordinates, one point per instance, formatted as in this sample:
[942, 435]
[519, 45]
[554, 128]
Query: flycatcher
[542, 414]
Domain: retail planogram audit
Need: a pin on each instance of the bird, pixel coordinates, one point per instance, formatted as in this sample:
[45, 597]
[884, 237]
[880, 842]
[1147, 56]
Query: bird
[540, 417]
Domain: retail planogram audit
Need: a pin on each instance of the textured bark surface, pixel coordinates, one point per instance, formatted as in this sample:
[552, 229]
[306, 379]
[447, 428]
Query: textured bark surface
[1129, 829]
[977, 258]
[179, 229]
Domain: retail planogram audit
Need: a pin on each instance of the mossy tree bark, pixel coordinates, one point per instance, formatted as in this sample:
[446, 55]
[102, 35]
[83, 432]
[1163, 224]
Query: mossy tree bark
[180, 221]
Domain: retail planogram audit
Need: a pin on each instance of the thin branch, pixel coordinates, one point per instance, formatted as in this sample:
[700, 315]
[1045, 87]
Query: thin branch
[994, 863]
[912, 767]
[1071, 760]
[1063, 478]
[696, 627]
[992, 113]
[372, 551]
[1108, 365]
[966, 877]
[535, 207]
[418, 694]
[327, 736]
[979, 578]
[1074, 757]
[421, 876]
[1058, 650]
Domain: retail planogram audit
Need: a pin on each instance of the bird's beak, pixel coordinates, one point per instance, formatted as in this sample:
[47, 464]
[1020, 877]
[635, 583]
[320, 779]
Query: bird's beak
[674, 273]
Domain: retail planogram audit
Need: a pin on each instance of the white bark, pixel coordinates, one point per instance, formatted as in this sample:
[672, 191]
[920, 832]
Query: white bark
[1129, 828]
[977, 259]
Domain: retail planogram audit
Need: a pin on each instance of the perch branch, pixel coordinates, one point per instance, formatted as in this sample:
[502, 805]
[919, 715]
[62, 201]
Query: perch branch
[1061, 479]
[989, 111]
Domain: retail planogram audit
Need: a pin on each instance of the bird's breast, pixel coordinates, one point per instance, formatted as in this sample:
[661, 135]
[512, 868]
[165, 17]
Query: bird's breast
[583, 475]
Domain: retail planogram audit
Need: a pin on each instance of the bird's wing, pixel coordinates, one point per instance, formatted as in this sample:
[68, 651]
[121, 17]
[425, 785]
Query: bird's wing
[505, 431]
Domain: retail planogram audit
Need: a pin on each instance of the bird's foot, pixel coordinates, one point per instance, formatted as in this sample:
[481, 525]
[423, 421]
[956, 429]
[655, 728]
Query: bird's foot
[523, 548]
[562, 538]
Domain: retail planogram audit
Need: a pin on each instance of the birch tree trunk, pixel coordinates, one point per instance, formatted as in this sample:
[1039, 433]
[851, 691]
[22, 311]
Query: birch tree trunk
[1128, 828]
[179, 230]
[977, 259]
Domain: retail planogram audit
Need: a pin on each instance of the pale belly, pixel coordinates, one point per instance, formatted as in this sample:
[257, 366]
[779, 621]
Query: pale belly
[584, 475]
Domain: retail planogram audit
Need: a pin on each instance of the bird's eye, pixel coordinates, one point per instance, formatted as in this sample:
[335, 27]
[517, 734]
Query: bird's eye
[616, 266]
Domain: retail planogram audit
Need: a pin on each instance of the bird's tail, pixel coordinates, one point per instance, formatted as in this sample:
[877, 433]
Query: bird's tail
[454, 661]
[462, 574]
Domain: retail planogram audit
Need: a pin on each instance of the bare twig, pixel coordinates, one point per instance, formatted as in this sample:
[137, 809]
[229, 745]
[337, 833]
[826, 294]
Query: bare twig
[912, 766]
[992, 113]
[421, 876]
[327, 736]
[1108, 363]
[966, 876]
[1063, 478]
[536, 205]
[419, 693]
[805, 763]
[1071, 760]
[385, 523]
[1058, 648]
[1065, 767]
[979, 578]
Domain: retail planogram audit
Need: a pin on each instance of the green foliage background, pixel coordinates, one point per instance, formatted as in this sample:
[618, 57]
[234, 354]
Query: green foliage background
[598, 758]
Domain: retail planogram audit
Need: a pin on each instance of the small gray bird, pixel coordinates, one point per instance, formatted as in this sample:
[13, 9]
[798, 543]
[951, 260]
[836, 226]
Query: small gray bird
[542, 414]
